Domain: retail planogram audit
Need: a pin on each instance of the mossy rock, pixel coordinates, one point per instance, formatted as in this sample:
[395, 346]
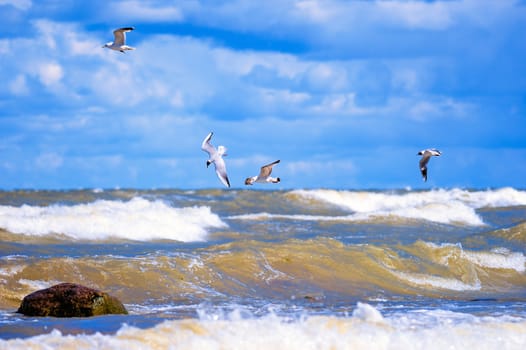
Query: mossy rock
[70, 300]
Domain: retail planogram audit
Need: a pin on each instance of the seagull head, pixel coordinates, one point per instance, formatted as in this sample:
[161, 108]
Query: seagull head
[208, 162]
[249, 181]
[107, 44]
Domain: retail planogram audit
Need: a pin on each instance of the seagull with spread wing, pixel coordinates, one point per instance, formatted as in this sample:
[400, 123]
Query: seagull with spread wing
[216, 156]
[119, 41]
[264, 175]
[426, 155]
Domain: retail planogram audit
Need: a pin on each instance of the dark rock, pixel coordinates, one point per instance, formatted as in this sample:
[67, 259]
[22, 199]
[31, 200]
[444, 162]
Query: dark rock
[70, 300]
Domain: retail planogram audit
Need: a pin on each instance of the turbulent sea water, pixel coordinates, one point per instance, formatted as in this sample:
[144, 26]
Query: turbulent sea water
[302, 269]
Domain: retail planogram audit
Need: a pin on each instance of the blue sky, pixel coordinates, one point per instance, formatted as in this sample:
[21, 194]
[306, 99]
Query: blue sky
[345, 93]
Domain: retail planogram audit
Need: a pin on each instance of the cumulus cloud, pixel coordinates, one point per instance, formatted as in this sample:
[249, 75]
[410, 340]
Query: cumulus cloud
[50, 73]
[213, 79]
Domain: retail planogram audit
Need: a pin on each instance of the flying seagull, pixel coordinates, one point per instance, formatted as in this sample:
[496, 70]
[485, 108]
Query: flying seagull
[119, 42]
[216, 157]
[264, 175]
[426, 155]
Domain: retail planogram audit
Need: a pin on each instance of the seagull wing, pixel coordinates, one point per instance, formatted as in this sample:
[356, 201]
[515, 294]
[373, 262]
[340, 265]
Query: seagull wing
[435, 152]
[423, 163]
[207, 146]
[424, 160]
[120, 36]
[221, 171]
[266, 170]
[423, 170]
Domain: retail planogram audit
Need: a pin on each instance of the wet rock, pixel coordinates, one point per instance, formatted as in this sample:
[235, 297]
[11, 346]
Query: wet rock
[70, 300]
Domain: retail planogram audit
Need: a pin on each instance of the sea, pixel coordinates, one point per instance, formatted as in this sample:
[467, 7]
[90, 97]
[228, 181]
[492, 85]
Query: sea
[441, 268]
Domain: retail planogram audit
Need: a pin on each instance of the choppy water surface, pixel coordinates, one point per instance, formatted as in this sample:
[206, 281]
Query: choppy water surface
[297, 269]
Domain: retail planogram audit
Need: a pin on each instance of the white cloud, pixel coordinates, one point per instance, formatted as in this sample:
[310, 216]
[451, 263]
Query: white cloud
[340, 104]
[315, 10]
[19, 4]
[220, 81]
[177, 99]
[416, 14]
[326, 77]
[48, 32]
[83, 46]
[426, 109]
[243, 62]
[278, 97]
[152, 11]
[50, 73]
[18, 86]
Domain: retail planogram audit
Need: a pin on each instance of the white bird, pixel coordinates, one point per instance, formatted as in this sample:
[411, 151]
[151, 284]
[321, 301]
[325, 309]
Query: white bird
[119, 41]
[264, 175]
[216, 157]
[426, 155]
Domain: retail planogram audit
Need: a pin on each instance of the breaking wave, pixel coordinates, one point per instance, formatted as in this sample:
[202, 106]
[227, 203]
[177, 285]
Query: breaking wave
[137, 219]
[366, 328]
[454, 206]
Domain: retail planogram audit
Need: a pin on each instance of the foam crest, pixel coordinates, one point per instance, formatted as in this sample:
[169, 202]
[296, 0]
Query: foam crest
[137, 219]
[442, 206]
[425, 280]
[433, 213]
[498, 258]
[367, 313]
[319, 332]
[299, 217]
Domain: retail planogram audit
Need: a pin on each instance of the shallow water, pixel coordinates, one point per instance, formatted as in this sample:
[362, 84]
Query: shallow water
[299, 269]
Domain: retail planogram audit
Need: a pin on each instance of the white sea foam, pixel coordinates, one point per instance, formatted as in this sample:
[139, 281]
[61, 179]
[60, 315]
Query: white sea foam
[38, 284]
[497, 258]
[137, 219]
[366, 329]
[433, 213]
[368, 313]
[425, 280]
[10, 270]
[300, 217]
[442, 206]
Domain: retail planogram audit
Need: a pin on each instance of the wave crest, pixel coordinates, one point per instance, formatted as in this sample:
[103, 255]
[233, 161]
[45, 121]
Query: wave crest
[442, 206]
[137, 219]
